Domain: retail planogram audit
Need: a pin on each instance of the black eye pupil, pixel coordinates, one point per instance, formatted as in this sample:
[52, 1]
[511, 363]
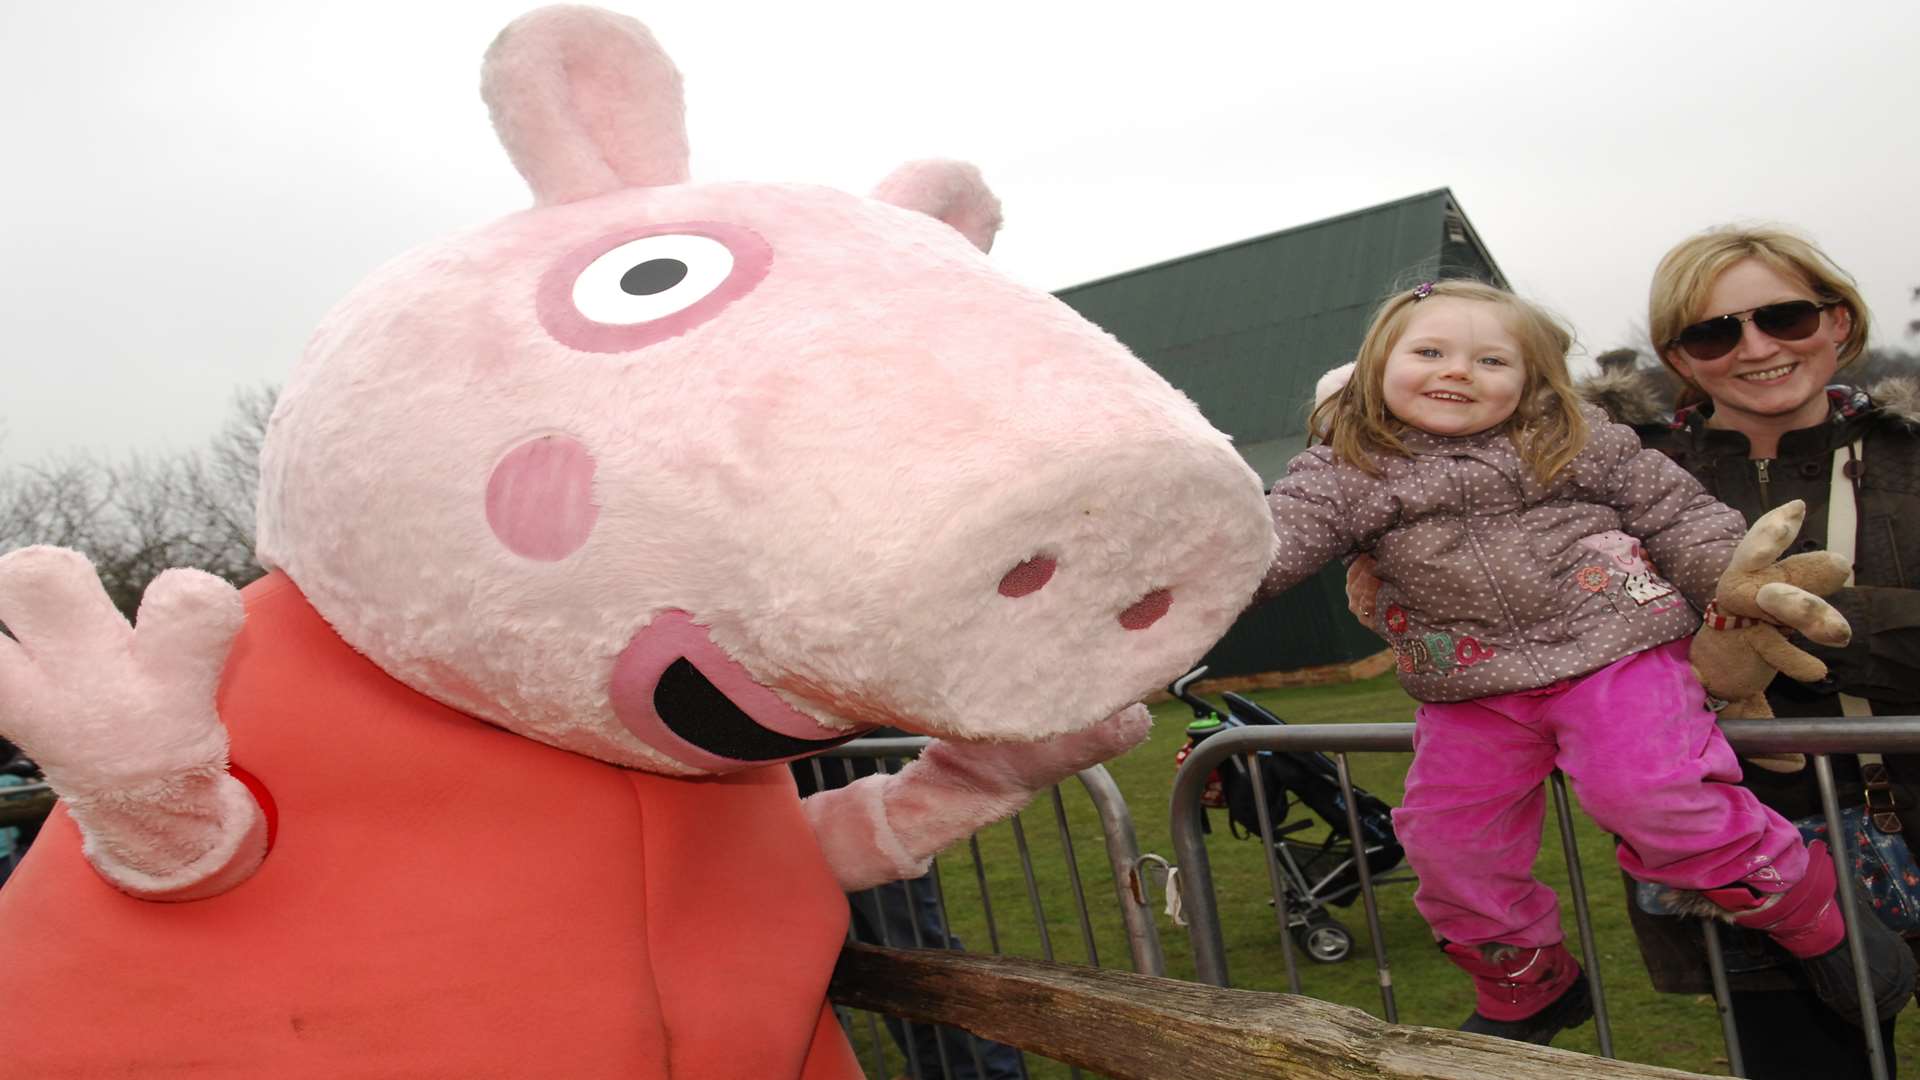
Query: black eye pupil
[653, 276]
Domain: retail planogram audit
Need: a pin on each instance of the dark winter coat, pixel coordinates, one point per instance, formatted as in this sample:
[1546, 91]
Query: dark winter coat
[1492, 583]
[1882, 662]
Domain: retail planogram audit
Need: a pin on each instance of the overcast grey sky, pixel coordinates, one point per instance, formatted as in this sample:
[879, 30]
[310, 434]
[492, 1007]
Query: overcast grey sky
[189, 185]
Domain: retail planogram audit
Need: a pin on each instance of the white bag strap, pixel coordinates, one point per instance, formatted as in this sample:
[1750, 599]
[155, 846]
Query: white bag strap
[1843, 526]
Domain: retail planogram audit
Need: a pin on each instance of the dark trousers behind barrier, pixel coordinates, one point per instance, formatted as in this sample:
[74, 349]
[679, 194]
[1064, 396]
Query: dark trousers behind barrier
[907, 914]
[1789, 1035]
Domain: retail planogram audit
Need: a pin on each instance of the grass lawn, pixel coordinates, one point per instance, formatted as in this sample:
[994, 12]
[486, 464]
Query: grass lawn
[1675, 1031]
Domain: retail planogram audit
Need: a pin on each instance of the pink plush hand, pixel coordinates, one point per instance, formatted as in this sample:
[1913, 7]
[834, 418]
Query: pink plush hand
[122, 721]
[884, 828]
[1026, 768]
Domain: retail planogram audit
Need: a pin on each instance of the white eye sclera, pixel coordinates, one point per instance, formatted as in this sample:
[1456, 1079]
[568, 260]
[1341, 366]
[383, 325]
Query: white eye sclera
[651, 278]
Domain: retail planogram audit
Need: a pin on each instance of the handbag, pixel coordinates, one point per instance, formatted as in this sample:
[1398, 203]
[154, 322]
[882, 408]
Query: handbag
[1884, 869]
[1883, 864]
[1885, 872]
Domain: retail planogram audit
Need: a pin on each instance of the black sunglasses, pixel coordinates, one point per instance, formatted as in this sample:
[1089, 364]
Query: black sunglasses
[1790, 320]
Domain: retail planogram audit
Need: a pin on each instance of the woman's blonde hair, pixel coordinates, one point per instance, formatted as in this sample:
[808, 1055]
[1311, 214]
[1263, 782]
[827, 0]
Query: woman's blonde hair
[1546, 426]
[1686, 275]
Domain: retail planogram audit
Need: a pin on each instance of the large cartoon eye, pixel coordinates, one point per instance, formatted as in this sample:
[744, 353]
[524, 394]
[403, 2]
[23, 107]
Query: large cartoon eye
[629, 289]
[651, 278]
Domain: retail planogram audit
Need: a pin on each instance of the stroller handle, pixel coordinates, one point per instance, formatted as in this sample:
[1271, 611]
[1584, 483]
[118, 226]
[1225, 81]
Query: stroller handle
[1178, 687]
[1202, 709]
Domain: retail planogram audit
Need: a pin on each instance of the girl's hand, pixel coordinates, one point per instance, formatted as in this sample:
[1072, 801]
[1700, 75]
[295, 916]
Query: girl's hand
[1363, 590]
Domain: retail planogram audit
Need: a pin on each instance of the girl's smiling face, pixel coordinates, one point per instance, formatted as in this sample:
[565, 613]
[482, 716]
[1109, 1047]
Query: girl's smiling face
[1456, 370]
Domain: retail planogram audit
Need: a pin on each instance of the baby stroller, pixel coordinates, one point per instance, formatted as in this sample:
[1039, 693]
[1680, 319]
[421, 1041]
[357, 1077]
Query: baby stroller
[1315, 874]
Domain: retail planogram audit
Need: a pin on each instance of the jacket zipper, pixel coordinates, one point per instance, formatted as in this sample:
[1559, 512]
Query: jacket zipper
[1766, 499]
[1480, 556]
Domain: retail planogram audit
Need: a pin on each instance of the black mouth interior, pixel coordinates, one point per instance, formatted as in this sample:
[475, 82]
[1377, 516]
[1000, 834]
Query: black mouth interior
[698, 712]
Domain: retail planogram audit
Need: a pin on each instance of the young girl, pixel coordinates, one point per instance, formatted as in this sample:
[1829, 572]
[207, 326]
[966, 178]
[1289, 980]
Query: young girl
[1514, 530]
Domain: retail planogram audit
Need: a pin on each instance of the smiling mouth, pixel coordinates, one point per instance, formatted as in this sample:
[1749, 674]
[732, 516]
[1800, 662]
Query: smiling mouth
[1772, 374]
[677, 691]
[1442, 395]
[693, 708]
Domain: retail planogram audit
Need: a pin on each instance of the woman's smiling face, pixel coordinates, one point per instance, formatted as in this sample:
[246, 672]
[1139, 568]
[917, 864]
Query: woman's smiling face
[1764, 376]
[1456, 370]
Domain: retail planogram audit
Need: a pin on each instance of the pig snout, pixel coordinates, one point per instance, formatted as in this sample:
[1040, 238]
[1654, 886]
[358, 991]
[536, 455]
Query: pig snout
[1033, 601]
[1033, 574]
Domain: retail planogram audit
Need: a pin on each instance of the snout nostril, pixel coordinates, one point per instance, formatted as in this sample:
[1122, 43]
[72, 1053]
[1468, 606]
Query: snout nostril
[1028, 577]
[1147, 610]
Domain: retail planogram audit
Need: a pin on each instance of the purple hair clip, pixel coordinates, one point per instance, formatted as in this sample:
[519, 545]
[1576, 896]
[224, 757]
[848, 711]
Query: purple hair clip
[1423, 290]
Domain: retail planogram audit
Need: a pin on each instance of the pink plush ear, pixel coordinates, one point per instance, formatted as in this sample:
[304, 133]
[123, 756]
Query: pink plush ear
[586, 102]
[1332, 382]
[952, 191]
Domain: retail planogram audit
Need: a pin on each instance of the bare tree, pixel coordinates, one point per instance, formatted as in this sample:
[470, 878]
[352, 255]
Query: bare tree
[63, 501]
[145, 514]
[1877, 364]
[220, 485]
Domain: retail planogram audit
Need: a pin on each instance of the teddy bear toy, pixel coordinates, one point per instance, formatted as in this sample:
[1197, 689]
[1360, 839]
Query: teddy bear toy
[1743, 641]
[579, 525]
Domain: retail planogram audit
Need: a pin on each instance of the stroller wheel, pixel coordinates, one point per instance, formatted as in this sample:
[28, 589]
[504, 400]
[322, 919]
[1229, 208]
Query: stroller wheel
[1324, 941]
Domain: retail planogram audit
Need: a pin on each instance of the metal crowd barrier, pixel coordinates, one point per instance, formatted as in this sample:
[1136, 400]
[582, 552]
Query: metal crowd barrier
[25, 803]
[836, 767]
[1815, 737]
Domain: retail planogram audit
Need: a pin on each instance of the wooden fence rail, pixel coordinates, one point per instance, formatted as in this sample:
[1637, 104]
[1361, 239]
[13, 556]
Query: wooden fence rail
[1138, 1027]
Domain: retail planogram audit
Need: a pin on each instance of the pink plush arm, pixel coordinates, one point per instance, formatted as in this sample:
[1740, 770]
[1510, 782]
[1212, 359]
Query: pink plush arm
[122, 721]
[888, 827]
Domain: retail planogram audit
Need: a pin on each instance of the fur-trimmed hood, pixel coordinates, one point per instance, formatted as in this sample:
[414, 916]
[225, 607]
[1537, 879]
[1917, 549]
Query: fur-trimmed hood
[1898, 395]
[1640, 397]
[1635, 397]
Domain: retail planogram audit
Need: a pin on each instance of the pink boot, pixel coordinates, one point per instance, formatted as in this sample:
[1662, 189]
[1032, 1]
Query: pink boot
[1805, 920]
[1529, 995]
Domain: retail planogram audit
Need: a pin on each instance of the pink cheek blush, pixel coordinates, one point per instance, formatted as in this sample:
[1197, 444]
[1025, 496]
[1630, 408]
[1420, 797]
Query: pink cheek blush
[540, 498]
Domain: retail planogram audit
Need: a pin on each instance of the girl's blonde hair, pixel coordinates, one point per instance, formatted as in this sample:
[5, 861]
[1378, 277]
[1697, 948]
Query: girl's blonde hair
[1686, 275]
[1546, 426]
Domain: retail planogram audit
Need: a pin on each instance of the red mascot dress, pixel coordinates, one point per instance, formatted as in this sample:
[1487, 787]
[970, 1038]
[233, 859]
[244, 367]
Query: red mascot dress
[469, 903]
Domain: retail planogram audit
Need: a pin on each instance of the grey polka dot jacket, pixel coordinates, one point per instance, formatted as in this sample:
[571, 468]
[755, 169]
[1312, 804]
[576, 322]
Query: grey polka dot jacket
[1492, 583]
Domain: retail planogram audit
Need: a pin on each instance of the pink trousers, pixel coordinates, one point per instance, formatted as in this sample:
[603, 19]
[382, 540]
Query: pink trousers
[1645, 759]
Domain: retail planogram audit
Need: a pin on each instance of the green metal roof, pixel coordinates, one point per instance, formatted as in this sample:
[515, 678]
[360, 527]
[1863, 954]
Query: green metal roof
[1246, 329]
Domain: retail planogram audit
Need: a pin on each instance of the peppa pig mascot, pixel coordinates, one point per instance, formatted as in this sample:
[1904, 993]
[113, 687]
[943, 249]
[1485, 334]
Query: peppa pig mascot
[579, 524]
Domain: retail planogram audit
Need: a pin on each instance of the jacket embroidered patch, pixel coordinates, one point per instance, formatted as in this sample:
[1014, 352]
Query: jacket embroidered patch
[1432, 653]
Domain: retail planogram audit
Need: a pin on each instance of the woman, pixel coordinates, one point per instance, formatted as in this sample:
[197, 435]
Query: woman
[1756, 322]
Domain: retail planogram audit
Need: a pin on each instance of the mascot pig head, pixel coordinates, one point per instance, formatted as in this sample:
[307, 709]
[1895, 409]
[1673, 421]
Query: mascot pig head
[674, 480]
[688, 477]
